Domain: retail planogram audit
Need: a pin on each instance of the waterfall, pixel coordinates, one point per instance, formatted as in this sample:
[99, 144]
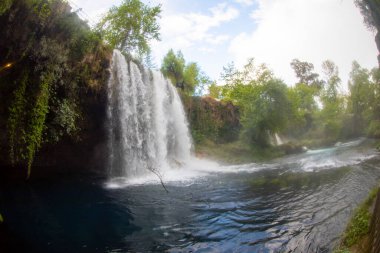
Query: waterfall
[278, 140]
[147, 127]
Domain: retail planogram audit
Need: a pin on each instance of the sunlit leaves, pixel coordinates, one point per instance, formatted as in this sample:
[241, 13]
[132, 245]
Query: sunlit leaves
[262, 100]
[131, 26]
[187, 77]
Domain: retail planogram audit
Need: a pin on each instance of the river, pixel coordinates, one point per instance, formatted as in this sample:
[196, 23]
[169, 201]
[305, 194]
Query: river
[299, 203]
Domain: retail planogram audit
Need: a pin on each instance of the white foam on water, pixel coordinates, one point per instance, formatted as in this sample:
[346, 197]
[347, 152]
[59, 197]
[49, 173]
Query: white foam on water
[194, 171]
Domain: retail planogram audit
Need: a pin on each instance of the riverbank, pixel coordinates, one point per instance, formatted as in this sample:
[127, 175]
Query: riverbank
[239, 152]
[356, 237]
[235, 152]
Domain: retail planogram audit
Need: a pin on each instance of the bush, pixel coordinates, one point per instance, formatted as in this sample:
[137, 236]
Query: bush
[359, 224]
[374, 129]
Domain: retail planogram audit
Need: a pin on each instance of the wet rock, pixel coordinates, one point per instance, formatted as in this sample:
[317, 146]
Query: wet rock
[292, 148]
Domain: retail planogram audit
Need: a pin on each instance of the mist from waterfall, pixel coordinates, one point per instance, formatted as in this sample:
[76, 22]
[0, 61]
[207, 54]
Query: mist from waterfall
[147, 127]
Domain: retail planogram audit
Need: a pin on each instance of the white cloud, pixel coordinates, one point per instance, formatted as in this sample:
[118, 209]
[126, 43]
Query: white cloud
[193, 31]
[92, 11]
[313, 30]
[184, 30]
[207, 50]
[217, 39]
[245, 2]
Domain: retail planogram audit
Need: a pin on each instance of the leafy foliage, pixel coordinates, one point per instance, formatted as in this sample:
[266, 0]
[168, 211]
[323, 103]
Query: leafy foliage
[304, 72]
[314, 111]
[333, 104]
[303, 108]
[130, 26]
[37, 121]
[360, 221]
[5, 5]
[214, 91]
[363, 102]
[17, 111]
[54, 56]
[261, 98]
[370, 10]
[187, 77]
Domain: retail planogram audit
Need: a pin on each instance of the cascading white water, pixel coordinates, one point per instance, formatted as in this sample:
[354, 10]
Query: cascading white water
[147, 125]
[278, 140]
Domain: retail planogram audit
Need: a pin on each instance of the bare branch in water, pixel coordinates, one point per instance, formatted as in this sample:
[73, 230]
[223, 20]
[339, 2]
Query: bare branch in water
[157, 173]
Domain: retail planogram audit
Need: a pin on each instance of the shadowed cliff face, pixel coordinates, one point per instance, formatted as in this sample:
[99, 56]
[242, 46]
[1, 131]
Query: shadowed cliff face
[53, 76]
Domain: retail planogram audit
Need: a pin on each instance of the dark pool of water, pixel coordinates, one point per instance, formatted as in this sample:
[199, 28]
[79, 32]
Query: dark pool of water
[296, 204]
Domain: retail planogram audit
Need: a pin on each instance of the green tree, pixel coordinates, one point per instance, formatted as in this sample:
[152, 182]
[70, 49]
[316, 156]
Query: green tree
[131, 26]
[236, 80]
[187, 77]
[370, 10]
[361, 97]
[332, 82]
[191, 77]
[172, 67]
[266, 111]
[333, 103]
[303, 96]
[374, 110]
[214, 91]
[305, 73]
[262, 100]
[303, 108]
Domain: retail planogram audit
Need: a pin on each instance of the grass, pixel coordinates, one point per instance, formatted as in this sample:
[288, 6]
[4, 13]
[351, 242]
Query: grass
[358, 227]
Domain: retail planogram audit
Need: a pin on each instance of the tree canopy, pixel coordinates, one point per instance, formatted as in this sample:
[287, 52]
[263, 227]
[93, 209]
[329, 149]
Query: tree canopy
[130, 26]
[189, 78]
[262, 100]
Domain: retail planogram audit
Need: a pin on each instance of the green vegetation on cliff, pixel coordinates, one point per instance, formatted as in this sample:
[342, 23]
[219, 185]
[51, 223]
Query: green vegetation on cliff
[51, 59]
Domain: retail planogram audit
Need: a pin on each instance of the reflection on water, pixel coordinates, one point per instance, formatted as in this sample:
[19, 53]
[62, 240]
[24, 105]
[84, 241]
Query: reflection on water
[290, 205]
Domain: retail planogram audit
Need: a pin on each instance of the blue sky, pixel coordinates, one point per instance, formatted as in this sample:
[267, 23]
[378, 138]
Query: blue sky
[214, 33]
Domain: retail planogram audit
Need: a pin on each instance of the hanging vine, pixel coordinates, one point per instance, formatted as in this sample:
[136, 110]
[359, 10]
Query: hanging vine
[37, 121]
[17, 111]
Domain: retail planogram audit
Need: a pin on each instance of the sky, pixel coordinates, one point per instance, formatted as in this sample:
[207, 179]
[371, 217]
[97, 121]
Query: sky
[215, 33]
